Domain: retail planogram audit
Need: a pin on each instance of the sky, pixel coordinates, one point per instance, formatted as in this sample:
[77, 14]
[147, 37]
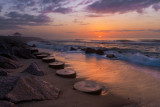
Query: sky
[81, 19]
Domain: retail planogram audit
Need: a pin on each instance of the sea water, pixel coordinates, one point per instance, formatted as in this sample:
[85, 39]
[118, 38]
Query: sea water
[134, 74]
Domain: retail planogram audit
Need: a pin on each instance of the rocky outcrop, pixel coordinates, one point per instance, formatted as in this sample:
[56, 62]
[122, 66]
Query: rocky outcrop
[19, 89]
[7, 104]
[34, 70]
[3, 73]
[7, 63]
[90, 50]
[110, 56]
[99, 52]
[22, 52]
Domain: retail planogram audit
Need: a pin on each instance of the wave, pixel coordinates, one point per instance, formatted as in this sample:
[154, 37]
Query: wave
[128, 55]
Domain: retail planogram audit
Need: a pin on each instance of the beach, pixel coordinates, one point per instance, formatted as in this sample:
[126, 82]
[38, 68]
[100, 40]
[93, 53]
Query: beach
[35, 84]
[28, 79]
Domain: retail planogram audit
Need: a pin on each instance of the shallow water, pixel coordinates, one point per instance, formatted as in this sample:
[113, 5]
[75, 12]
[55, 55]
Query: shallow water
[137, 83]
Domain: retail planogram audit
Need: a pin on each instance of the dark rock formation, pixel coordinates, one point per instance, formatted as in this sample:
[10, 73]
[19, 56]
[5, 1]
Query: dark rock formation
[33, 45]
[34, 70]
[19, 89]
[7, 63]
[7, 104]
[3, 73]
[22, 52]
[72, 49]
[90, 50]
[110, 56]
[100, 52]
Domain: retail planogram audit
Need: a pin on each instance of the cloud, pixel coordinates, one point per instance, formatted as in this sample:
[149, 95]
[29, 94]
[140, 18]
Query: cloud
[94, 15]
[1, 8]
[121, 6]
[59, 25]
[63, 10]
[14, 20]
[141, 30]
[71, 32]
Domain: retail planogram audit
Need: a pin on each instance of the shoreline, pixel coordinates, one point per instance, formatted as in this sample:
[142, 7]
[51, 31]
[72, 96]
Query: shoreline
[68, 96]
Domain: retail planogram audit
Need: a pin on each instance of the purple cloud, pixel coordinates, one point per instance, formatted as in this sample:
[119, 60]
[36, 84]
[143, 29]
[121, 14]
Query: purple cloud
[63, 10]
[121, 6]
[14, 20]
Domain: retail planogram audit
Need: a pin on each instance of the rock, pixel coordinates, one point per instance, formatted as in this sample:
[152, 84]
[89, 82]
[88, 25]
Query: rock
[57, 65]
[67, 73]
[22, 52]
[110, 56]
[48, 59]
[34, 70]
[41, 56]
[7, 63]
[88, 87]
[100, 52]
[3, 73]
[72, 49]
[7, 104]
[33, 45]
[2, 46]
[19, 89]
[90, 50]
[33, 50]
[132, 106]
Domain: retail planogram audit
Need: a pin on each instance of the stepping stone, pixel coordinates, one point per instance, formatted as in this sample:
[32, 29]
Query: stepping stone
[34, 70]
[67, 73]
[48, 59]
[88, 87]
[57, 65]
[42, 56]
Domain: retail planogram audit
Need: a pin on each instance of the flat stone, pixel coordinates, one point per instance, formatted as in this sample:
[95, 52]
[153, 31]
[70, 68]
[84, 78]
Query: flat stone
[67, 73]
[42, 56]
[57, 65]
[34, 70]
[88, 87]
[48, 59]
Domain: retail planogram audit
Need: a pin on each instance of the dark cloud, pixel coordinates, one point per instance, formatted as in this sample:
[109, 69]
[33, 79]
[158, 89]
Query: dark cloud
[63, 10]
[121, 6]
[94, 15]
[1, 8]
[14, 20]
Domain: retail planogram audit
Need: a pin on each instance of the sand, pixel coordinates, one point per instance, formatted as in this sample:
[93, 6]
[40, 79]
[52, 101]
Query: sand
[68, 97]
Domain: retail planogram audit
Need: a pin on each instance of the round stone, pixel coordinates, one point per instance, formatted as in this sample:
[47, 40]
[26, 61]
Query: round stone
[88, 87]
[42, 56]
[57, 65]
[48, 59]
[67, 73]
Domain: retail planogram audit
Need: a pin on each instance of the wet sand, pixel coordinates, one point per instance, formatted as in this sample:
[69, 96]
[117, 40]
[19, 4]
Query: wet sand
[69, 97]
